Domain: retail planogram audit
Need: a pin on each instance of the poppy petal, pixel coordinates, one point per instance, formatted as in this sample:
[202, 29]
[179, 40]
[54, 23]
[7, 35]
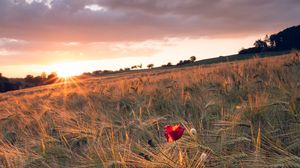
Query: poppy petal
[173, 133]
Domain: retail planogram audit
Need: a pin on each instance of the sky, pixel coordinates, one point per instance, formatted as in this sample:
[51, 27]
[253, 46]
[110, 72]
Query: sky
[88, 35]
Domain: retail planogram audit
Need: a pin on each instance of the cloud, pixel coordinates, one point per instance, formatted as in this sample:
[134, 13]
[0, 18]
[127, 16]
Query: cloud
[46, 31]
[4, 52]
[51, 52]
[140, 20]
[95, 7]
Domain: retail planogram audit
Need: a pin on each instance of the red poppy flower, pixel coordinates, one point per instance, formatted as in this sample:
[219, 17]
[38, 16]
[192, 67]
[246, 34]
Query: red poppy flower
[173, 133]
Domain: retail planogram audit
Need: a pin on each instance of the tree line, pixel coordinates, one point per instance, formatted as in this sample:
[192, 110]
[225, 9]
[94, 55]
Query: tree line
[7, 84]
[287, 39]
[140, 66]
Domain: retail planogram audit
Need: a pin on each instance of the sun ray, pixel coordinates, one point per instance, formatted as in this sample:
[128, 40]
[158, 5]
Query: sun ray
[66, 69]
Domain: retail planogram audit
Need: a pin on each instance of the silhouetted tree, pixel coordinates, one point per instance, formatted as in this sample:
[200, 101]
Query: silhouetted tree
[167, 65]
[44, 76]
[285, 40]
[29, 79]
[267, 41]
[3, 79]
[193, 58]
[184, 62]
[150, 66]
[107, 71]
[96, 73]
[38, 80]
[52, 78]
[180, 62]
[260, 44]
[134, 67]
[6, 85]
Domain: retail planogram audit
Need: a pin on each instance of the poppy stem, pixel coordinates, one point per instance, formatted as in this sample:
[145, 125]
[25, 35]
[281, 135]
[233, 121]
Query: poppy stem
[180, 155]
[159, 149]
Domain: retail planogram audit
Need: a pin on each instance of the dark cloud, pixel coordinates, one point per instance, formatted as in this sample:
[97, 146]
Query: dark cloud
[135, 20]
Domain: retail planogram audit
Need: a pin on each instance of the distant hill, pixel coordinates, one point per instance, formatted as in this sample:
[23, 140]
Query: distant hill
[10, 84]
[238, 57]
[287, 39]
[275, 45]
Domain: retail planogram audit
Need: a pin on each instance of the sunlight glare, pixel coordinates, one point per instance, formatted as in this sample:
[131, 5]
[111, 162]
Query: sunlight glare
[65, 70]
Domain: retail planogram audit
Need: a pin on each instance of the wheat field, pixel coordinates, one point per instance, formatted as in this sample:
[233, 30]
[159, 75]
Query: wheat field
[235, 114]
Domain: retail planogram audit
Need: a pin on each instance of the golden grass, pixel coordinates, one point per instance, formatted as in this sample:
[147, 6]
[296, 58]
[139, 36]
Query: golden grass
[239, 114]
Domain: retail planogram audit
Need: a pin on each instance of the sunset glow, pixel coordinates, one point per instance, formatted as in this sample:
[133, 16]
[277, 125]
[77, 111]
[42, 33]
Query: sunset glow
[149, 83]
[65, 70]
[79, 59]
[39, 35]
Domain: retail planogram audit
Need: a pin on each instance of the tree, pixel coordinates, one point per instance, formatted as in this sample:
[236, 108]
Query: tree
[260, 44]
[167, 65]
[150, 66]
[267, 41]
[3, 79]
[193, 58]
[38, 80]
[53, 75]
[180, 62]
[285, 40]
[8, 86]
[44, 75]
[98, 72]
[52, 78]
[29, 79]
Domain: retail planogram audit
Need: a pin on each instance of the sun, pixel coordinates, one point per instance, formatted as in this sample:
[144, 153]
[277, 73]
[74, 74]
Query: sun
[65, 70]
[65, 73]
